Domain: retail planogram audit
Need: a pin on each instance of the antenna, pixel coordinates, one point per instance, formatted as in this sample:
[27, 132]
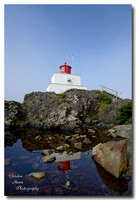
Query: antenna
[72, 59]
[67, 57]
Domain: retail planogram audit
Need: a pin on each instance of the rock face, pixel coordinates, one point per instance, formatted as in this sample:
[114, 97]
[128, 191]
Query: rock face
[14, 114]
[66, 111]
[111, 156]
[124, 131]
[60, 110]
[110, 113]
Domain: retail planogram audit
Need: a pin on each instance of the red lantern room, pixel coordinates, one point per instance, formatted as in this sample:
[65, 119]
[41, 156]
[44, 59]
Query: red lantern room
[66, 69]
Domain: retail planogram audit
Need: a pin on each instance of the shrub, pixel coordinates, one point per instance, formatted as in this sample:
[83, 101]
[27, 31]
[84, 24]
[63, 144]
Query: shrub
[106, 99]
[94, 117]
[125, 116]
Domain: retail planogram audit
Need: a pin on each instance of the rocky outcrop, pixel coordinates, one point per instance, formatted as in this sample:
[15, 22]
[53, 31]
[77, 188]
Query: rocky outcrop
[69, 110]
[14, 114]
[111, 156]
[66, 110]
[124, 131]
[110, 113]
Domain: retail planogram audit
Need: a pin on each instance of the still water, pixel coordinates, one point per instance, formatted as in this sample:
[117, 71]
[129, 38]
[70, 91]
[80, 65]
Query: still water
[23, 154]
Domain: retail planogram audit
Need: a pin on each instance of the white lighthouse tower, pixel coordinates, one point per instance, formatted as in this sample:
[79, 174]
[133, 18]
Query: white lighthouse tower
[60, 82]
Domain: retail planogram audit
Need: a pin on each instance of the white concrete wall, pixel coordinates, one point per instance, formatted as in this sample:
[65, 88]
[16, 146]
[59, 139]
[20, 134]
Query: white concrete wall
[63, 79]
[60, 88]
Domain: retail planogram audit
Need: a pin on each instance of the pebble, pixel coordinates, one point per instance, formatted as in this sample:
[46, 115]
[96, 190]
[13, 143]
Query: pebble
[67, 145]
[37, 175]
[68, 137]
[87, 141]
[87, 153]
[38, 137]
[78, 145]
[60, 148]
[91, 130]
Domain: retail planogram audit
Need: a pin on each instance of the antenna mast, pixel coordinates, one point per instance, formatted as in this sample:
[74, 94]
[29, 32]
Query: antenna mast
[72, 59]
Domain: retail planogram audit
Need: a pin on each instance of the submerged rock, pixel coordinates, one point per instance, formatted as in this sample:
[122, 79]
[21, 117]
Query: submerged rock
[87, 153]
[111, 156]
[67, 184]
[37, 175]
[49, 159]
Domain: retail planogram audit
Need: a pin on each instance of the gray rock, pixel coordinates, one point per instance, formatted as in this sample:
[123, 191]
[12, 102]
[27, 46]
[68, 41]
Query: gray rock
[67, 145]
[67, 137]
[76, 135]
[87, 141]
[78, 145]
[95, 121]
[124, 131]
[91, 130]
[37, 175]
[110, 113]
[82, 136]
[49, 159]
[60, 148]
[38, 137]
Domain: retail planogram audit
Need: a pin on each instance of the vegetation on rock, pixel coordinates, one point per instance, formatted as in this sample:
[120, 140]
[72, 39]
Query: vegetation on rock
[125, 116]
[105, 100]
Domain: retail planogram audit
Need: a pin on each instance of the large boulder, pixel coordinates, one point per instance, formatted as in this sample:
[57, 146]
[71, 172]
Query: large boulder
[111, 156]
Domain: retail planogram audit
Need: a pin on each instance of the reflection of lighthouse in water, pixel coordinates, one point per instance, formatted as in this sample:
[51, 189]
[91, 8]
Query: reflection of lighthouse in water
[64, 159]
[64, 166]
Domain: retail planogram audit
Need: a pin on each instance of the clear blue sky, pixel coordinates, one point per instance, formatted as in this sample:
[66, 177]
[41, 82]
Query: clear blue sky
[38, 38]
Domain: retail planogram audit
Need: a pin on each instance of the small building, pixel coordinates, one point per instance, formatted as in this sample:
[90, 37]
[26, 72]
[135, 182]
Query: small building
[64, 80]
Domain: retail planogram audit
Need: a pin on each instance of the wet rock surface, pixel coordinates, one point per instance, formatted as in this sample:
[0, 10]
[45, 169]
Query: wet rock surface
[112, 156]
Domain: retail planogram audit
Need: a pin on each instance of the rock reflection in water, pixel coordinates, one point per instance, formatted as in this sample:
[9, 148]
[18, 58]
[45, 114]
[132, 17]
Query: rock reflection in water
[119, 185]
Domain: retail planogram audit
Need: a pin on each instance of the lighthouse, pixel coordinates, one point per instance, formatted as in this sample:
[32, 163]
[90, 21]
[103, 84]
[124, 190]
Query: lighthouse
[64, 80]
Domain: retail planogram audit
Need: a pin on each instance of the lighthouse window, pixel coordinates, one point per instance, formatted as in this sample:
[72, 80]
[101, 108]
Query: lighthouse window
[63, 69]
